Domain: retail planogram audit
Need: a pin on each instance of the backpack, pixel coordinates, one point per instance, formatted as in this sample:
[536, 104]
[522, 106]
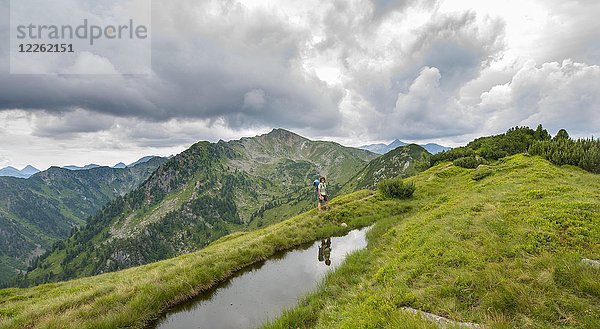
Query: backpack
[321, 257]
[316, 185]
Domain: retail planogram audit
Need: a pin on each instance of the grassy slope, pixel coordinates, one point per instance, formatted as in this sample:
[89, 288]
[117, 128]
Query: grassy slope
[133, 297]
[504, 252]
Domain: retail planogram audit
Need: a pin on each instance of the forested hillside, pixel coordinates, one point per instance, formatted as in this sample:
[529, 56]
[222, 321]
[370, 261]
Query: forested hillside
[36, 212]
[206, 192]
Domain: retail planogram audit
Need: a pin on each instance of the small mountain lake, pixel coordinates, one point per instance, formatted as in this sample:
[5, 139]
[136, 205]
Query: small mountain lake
[261, 292]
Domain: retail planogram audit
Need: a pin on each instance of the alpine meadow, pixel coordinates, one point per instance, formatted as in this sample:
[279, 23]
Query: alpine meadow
[281, 164]
[501, 245]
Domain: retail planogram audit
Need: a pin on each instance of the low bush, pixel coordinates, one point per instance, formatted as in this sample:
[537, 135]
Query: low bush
[481, 174]
[396, 188]
[470, 162]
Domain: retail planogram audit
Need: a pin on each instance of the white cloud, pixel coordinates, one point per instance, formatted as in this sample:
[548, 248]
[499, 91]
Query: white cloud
[558, 95]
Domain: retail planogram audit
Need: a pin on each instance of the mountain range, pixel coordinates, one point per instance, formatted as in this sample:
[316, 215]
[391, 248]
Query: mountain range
[119, 165]
[498, 214]
[26, 172]
[202, 194]
[385, 148]
[29, 170]
[38, 211]
[513, 242]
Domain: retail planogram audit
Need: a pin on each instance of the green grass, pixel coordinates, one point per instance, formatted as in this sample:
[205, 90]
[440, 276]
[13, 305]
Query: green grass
[135, 296]
[503, 251]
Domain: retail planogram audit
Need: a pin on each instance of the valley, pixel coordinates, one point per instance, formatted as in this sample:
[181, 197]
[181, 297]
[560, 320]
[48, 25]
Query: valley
[200, 195]
[37, 212]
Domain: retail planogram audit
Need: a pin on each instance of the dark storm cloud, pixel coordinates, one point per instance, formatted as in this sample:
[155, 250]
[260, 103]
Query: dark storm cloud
[457, 46]
[104, 94]
[223, 61]
[206, 65]
[69, 124]
[403, 67]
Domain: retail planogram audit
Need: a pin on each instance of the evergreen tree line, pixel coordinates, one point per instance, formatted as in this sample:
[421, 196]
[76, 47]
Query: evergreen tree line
[560, 149]
[583, 153]
[516, 140]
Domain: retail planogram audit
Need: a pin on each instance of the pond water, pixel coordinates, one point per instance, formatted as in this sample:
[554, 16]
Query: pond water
[261, 292]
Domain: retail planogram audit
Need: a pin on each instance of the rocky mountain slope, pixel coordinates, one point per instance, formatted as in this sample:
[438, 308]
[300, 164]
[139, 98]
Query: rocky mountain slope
[206, 192]
[36, 212]
[403, 161]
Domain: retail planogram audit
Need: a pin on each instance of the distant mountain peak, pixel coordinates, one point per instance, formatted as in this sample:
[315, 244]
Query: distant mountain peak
[29, 170]
[143, 160]
[385, 148]
[283, 134]
[397, 143]
[26, 172]
[86, 167]
[120, 165]
[280, 130]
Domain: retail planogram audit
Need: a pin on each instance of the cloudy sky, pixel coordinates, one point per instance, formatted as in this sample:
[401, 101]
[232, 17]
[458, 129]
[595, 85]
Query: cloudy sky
[355, 71]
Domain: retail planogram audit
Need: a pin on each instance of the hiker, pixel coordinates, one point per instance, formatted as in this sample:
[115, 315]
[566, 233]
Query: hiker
[322, 190]
[325, 251]
[316, 185]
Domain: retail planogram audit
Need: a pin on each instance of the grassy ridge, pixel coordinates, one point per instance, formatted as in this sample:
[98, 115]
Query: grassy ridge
[135, 296]
[503, 251]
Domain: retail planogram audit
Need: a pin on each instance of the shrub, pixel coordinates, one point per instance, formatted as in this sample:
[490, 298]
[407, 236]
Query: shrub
[450, 155]
[481, 174]
[396, 188]
[467, 162]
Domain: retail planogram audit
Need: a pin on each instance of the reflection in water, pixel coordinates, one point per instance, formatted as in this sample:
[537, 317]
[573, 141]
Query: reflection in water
[261, 292]
[325, 251]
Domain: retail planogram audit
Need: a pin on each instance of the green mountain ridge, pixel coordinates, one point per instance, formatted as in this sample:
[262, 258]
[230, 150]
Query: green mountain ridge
[205, 192]
[503, 251]
[38, 211]
[403, 161]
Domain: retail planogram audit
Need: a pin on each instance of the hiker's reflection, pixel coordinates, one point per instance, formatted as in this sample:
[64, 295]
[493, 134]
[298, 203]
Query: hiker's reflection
[325, 251]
